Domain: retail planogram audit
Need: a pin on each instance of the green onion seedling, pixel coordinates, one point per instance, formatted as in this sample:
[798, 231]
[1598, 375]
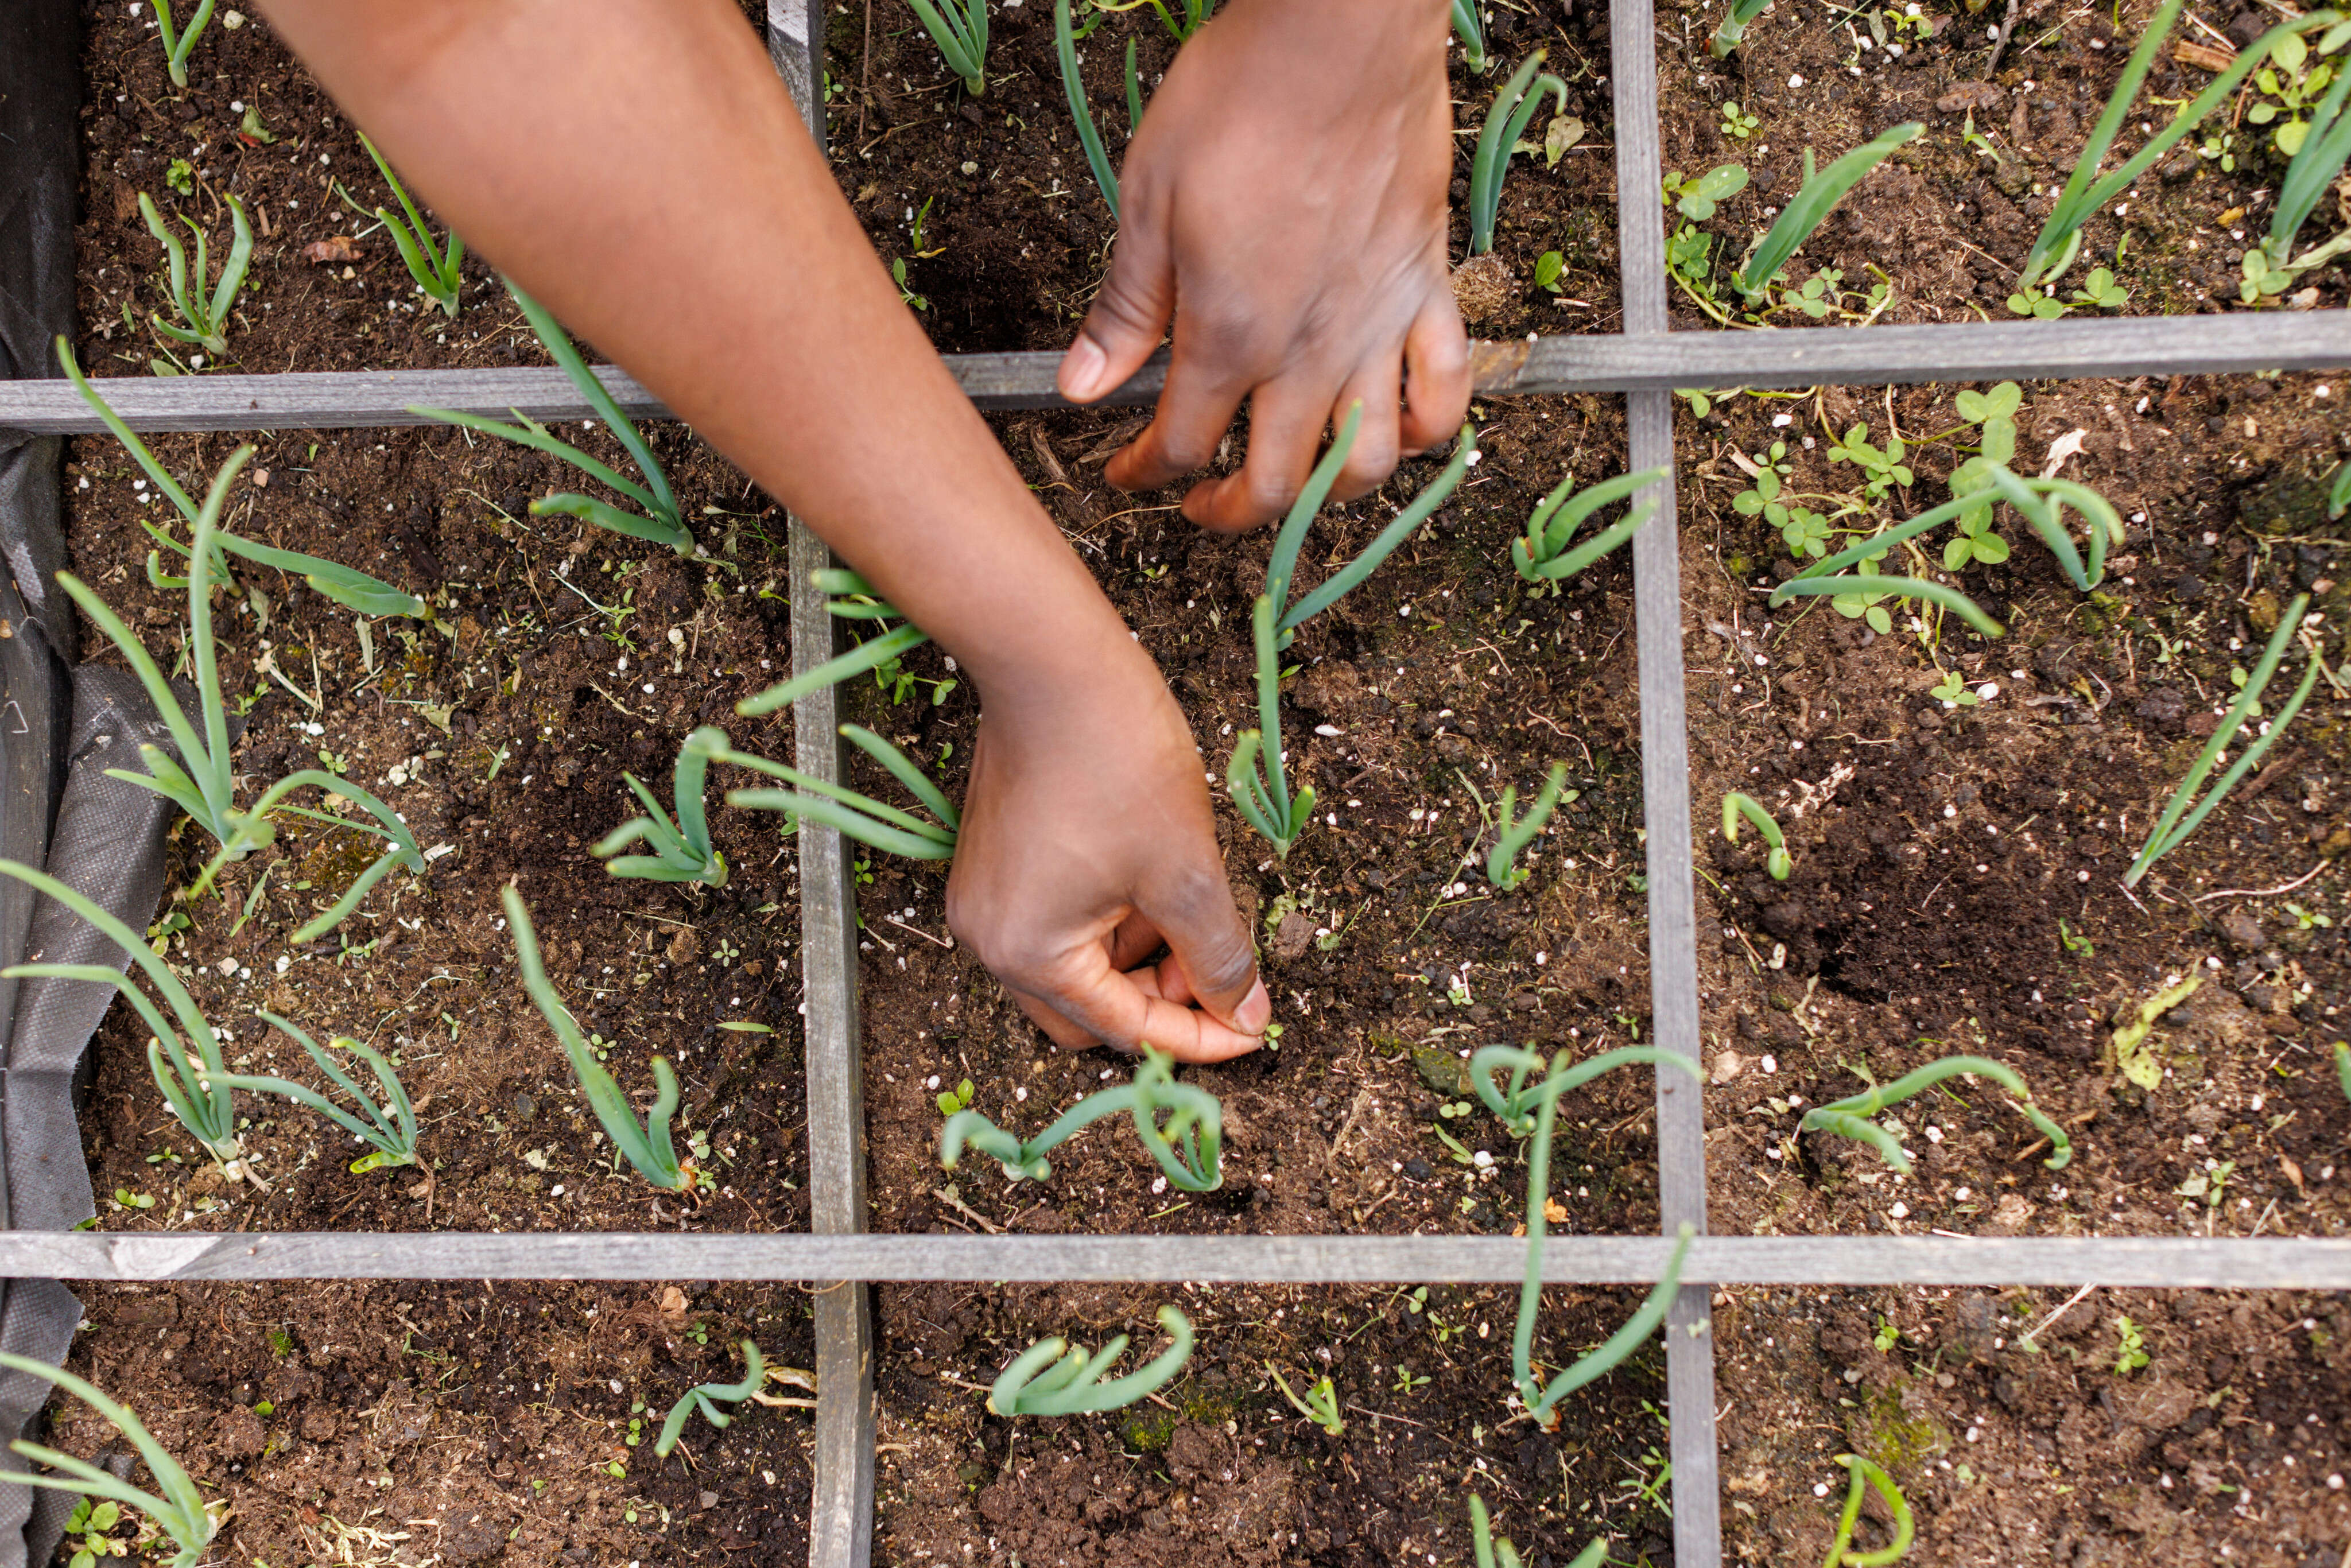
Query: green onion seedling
[646, 1146]
[1471, 30]
[390, 1128]
[1841, 1554]
[352, 590]
[1541, 1399]
[2326, 147]
[1189, 1147]
[704, 1398]
[204, 318]
[1821, 192]
[1513, 832]
[1194, 13]
[1065, 46]
[180, 1513]
[1045, 1381]
[1545, 555]
[1734, 25]
[1849, 1117]
[2343, 1066]
[1483, 1545]
[849, 598]
[1736, 805]
[681, 848]
[434, 267]
[180, 43]
[960, 27]
[1516, 1107]
[2178, 821]
[1506, 121]
[660, 521]
[1320, 1404]
[2338, 493]
[194, 1089]
[857, 815]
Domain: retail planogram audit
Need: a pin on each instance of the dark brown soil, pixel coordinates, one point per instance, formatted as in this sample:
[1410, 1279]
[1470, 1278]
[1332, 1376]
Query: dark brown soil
[1938, 851]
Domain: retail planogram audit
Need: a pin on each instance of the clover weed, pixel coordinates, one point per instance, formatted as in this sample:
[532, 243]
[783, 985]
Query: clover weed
[1697, 199]
[1045, 1381]
[1882, 466]
[180, 1513]
[1736, 124]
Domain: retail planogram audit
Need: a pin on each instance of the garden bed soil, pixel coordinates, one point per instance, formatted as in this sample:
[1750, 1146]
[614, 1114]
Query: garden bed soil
[511, 723]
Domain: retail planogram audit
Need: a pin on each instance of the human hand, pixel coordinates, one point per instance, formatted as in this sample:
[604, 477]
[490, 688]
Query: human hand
[1285, 201]
[1087, 841]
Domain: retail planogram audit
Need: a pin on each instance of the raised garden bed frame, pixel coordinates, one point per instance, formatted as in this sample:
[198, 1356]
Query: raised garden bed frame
[1644, 363]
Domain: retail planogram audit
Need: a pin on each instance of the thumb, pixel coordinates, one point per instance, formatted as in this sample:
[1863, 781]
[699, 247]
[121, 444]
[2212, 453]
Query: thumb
[1129, 316]
[1209, 946]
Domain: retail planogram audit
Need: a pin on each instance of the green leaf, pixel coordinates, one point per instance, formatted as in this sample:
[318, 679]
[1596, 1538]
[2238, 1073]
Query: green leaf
[1956, 552]
[1973, 406]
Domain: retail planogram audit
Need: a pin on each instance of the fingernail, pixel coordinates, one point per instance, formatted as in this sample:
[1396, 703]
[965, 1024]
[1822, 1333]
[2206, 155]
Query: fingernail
[1255, 1010]
[1081, 370]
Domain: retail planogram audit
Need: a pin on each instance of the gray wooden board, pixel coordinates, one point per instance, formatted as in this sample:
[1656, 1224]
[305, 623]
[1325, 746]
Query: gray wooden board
[2138, 1262]
[1601, 362]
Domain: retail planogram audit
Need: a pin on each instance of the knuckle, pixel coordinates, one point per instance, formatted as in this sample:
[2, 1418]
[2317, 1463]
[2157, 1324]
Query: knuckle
[1183, 450]
[1270, 492]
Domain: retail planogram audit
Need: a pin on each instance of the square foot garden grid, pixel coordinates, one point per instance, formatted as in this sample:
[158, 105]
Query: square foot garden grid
[1642, 363]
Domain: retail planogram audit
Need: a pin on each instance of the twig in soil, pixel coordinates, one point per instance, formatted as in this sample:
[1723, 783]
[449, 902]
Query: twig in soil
[1044, 1381]
[2262, 892]
[2030, 1340]
[953, 1200]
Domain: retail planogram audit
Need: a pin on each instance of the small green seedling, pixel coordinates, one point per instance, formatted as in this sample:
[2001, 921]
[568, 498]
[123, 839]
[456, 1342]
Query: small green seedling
[1849, 1117]
[1822, 189]
[704, 1398]
[645, 1145]
[180, 43]
[1841, 1552]
[660, 521]
[2130, 1352]
[1738, 804]
[2294, 82]
[859, 816]
[1734, 21]
[1045, 1381]
[1065, 46]
[180, 1513]
[2178, 820]
[1471, 30]
[204, 318]
[1737, 125]
[1548, 552]
[1320, 1404]
[956, 1099]
[2324, 147]
[849, 597]
[1884, 465]
[1506, 121]
[90, 1529]
[1697, 199]
[680, 847]
[2343, 1066]
[2040, 304]
[2101, 291]
[1952, 691]
[1189, 1147]
[1484, 1546]
[390, 1128]
[960, 27]
[1513, 832]
[434, 267]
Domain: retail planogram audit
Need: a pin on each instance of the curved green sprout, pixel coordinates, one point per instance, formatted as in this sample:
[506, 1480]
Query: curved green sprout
[1065, 46]
[960, 27]
[1542, 1399]
[1516, 1107]
[1734, 25]
[2170, 830]
[1471, 30]
[1810, 205]
[703, 1396]
[1506, 121]
[207, 315]
[1484, 1546]
[1320, 1404]
[1942, 593]
[1736, 805]
[1544, 553]
[434, 267]
[647, 1147]
[179, 1513]
[1189, 1148]
[1513, 833]
[681, 848]
[1849, 1117]
[2343, 1066]
[661, 522]
[391, 1127]
[179, 43]
[1043, 1381]
[1840, 1556]
[1261, 794]
[254, 832]
[856, 815]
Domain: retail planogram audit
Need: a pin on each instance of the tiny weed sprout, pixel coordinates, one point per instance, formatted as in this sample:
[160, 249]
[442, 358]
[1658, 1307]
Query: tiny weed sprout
[1883, 465]
[180, 1513]
[660, 521]
[1849, 1117]
[179, 43]
[1549, 553]
[680, 846]
[859, 816]
[1821, 191]
[2178, 820]
[390, 1128]
[646, 1146]
[1513, 832]
[1734, 25]
[1055, 1378]
[434, 267]
[1483, 1545]
[2324, 147]
[1471, 31]
[1506, 121]
[1865, 1474]
[193, 1089]
[2130, 1345]
[704, 1398]
[1736, 805]
[1065, 46]
[1189, 1147]
[960, 27]
[1697, 199]
[849, 597]
[953, 1100]
[204, 318]
[1320, 1404]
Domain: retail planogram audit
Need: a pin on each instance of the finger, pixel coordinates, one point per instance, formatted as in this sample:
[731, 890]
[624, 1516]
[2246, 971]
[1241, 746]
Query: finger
[1059, 1029]
[1286, 425]
[1129, 316]
[1373, 456]
[1194, 413]
[1134, 940]
[1209, 946]
[1436, 377]
[1122, 1011]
